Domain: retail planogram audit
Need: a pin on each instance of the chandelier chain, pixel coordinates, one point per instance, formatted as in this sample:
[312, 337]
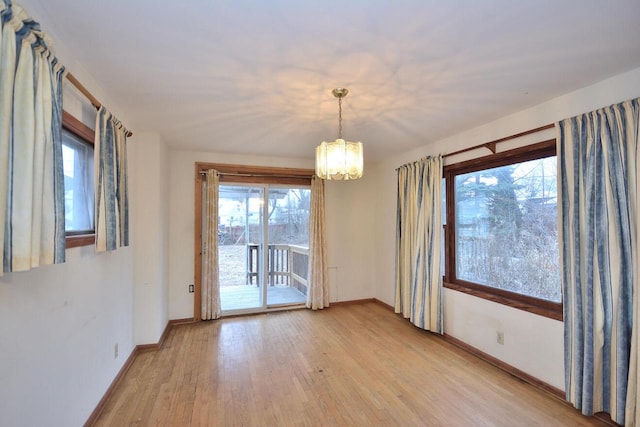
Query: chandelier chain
[340, 118]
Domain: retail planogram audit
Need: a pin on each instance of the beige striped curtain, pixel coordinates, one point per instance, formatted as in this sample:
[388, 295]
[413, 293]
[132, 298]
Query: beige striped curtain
[418, 243]
[210, 275]
[318, 279]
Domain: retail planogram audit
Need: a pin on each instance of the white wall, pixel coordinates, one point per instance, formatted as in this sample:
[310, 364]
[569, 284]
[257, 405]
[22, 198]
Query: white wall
[532, 343]
[350, 243]
[350, 238]
[150, 202]
[58, 327]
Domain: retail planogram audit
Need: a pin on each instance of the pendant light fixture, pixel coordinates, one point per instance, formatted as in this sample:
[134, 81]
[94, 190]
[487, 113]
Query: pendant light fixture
[340, 159]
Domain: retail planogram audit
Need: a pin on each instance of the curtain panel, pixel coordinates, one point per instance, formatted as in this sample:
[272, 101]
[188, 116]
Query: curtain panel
[210, 292]
[110, 180]
[31, 172]
[418, 282]
[318, 278]
[598, 236]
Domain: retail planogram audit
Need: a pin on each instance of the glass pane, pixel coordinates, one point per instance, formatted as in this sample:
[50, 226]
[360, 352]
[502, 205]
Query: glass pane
[507, 228]
[240, 224]
[288, 258]
[77, 162]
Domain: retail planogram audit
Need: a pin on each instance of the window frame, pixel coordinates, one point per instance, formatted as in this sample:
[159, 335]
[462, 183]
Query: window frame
[512, 299]
[76, 239]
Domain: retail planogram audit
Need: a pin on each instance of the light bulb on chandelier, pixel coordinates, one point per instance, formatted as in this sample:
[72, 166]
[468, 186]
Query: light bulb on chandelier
[340, 159]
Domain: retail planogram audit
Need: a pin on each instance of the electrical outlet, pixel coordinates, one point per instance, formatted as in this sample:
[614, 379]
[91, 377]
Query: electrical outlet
[115, 351]
[190, 289]
[500, 338]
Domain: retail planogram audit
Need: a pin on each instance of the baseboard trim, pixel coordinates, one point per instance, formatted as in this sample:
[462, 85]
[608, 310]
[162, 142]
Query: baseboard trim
[165, 333]
[184, 321]
[606, 418]
[103, 402]
[384, 304]
[530, 379]
[351, 302]
[127, 365]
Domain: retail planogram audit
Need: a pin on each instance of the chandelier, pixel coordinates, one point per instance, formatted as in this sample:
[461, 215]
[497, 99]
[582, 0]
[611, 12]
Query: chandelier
[340, 159]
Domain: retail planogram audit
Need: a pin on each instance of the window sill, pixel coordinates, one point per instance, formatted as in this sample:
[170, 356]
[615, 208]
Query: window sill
[553, 312]
[77, 240]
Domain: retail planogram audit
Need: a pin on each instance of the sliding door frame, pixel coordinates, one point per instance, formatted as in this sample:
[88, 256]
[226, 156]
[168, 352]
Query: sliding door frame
[236, 174]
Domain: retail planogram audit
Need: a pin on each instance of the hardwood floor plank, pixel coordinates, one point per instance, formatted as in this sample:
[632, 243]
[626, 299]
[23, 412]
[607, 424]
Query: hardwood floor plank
[352, 365]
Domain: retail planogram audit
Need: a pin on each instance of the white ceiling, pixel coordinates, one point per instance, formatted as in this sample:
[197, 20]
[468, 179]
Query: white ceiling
[256, 76]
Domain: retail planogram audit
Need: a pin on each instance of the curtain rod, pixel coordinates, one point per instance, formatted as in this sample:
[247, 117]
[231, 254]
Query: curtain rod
[258, 175]
[491, 145]
[72, 79]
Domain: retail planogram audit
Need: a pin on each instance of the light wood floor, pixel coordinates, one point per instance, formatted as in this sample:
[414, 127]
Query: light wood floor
[354, 365]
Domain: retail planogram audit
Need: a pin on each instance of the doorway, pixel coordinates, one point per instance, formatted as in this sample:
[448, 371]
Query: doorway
[263, 221]
[263, 246]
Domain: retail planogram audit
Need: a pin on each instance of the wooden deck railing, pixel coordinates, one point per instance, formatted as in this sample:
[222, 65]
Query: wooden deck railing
[287, 265]
[299, 267]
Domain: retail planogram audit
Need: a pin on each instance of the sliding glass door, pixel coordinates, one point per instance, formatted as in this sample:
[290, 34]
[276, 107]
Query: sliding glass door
[240, 237]
[288, 250]
[263, 244]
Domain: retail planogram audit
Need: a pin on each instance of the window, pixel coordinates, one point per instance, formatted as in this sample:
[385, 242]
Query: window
[77, 160]
[502, 232]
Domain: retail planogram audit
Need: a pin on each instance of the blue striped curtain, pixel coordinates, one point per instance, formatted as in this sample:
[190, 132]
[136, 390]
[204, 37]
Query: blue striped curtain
[31, 172]
[597, 160]
[418, 282]
[111, 189]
